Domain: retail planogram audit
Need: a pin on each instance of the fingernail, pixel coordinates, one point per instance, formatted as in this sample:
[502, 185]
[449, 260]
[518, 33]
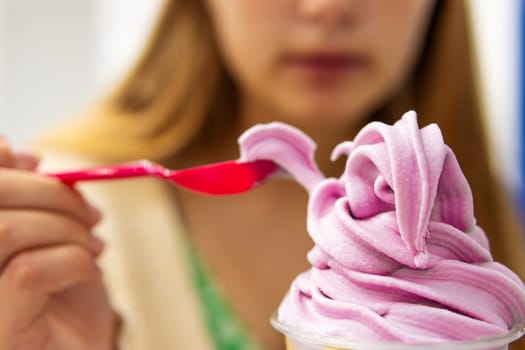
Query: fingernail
[94, 214]
[25, 160]
[97, 245]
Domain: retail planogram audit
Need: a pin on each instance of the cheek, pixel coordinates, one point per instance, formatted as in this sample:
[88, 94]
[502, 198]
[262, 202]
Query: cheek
[247, 40]
[399, 35]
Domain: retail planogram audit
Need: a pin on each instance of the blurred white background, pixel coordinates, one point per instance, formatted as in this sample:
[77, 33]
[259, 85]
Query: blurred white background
[57, 56]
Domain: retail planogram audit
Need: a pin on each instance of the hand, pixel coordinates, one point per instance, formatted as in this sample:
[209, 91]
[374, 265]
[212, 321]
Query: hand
[51, 294]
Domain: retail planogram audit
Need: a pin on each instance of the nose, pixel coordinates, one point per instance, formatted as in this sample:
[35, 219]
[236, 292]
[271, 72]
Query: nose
[330, 12]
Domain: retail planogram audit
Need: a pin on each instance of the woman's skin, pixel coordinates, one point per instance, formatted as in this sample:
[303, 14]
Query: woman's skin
[322, 65]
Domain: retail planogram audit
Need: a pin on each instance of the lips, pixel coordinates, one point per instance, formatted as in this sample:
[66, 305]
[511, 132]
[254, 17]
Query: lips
[322, 64]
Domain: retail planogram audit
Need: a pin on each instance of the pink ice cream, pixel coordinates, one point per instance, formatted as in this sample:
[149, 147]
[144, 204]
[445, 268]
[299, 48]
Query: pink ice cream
[398, 255]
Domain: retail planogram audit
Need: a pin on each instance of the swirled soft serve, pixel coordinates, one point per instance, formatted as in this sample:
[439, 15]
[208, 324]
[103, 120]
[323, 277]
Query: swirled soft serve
[398, 255]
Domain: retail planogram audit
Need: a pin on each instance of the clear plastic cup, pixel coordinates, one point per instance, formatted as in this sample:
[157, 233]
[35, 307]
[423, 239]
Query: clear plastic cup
[297, 340]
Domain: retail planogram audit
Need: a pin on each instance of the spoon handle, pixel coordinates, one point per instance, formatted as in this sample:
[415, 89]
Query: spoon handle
[118, 171]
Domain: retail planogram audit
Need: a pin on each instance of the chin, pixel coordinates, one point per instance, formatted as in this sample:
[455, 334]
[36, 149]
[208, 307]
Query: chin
[335, 113]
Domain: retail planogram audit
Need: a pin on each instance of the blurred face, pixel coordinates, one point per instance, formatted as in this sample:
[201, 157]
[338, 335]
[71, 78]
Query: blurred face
[318, 59]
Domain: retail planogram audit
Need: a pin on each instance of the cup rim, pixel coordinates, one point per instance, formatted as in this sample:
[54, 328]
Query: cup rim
[480, 343]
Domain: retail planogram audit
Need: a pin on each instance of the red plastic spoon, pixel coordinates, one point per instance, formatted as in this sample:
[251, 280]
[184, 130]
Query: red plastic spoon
[223, 178]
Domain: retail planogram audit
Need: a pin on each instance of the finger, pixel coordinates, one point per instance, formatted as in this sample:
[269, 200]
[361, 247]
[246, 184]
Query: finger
[25, 160]
[33, 275]
[27, 190]
[6, 154]
[28, 229]
[49, 270]
[16, 159]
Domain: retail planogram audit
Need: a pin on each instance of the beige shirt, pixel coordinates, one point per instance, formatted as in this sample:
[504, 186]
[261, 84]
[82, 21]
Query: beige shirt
[144, 268]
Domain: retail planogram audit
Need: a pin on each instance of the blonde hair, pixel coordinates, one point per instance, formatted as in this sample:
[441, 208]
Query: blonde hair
[178, 94]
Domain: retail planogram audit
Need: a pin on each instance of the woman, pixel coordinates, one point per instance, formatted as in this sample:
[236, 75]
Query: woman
[186, 271]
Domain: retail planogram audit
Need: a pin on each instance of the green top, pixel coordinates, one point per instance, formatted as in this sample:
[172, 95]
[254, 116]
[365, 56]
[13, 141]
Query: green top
[226, 330]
